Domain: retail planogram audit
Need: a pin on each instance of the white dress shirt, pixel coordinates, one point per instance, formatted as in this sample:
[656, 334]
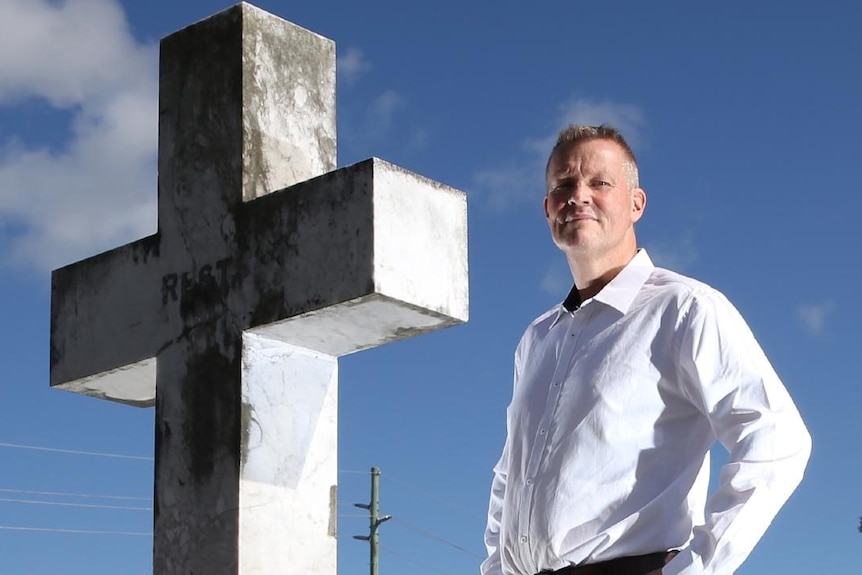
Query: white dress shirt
[614, 410]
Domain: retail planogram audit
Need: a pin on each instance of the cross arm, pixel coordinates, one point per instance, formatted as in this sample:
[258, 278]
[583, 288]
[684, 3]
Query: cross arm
[364, 255]
[104, 327]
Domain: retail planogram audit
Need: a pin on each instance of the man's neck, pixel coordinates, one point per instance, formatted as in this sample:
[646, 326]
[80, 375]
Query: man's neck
[592, 274]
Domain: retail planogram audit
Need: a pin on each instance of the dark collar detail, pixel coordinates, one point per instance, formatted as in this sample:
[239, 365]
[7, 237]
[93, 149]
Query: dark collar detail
[573, 301]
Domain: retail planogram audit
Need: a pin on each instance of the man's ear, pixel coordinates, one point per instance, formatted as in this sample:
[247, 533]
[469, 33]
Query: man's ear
[638, 203]
[545, 205]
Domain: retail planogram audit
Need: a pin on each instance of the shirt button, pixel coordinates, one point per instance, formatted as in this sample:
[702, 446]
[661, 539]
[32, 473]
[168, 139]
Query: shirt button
[523, 538]
[557, 384]
[542, 431]
[529, 482]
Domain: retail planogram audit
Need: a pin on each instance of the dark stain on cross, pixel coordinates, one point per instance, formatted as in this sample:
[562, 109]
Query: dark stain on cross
[210, 281]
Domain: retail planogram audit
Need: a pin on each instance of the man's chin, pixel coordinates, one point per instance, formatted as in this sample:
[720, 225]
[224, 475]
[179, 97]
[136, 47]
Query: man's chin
[572, 242]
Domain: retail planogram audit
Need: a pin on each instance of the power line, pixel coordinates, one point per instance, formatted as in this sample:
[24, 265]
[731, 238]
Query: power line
[116, 507]
[77, 452]
[116, 455]
[67, 494]
[75, 531]
[413, 561]
[430, 495]
[131, 508]
[430, 535]
[63, 504]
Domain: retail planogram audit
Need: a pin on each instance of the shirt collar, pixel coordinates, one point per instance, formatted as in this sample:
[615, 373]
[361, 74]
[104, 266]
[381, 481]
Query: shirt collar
[620, 291]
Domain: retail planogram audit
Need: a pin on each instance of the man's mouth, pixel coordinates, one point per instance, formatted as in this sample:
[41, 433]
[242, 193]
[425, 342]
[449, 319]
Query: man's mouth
[576, 217]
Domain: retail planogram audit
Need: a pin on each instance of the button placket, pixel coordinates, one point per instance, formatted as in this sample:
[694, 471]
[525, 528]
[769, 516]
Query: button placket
[574, 328]
[569, 335]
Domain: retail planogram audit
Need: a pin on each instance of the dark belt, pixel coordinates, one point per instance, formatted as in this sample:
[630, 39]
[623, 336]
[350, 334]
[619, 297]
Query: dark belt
[636, 565]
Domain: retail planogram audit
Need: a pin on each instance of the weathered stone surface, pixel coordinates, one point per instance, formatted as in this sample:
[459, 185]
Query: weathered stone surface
[265, 268]
[383, 257]
[226, 131]
[287, 493]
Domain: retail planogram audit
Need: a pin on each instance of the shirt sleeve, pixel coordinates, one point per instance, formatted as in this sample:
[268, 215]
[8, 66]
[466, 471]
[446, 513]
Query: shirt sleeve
[493, 565]
[727, 377]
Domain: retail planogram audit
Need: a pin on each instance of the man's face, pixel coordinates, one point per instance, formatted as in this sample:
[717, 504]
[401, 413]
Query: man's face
[590, 205]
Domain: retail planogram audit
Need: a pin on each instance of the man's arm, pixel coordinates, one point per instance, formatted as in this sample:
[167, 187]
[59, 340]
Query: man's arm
[726, 375]
[491, 565]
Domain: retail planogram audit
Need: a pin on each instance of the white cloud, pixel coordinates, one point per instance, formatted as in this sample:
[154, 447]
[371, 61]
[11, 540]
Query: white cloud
[380, 121]
[375, 127]
[518, 181]
[522, 179]
[351, 65]
[65, 52]
[383, 109]
[418, 138]
[676, 256]
[813, 317]
[627, 118]
[557, 280]
[97, 190]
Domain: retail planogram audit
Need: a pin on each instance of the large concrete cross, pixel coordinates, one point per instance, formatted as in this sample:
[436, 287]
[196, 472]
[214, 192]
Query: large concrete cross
[230, 319]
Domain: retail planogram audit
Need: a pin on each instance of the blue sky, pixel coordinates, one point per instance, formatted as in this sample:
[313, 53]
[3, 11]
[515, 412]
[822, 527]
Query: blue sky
[745, 118]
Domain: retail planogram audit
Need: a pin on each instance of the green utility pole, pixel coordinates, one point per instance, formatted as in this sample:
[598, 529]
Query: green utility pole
[374, 519]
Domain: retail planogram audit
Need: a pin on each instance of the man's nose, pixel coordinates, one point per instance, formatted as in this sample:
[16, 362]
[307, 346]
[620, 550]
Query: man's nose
[581, 195]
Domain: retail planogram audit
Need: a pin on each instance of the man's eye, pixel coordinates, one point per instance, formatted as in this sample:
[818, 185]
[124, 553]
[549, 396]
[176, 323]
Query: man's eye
[601, 183]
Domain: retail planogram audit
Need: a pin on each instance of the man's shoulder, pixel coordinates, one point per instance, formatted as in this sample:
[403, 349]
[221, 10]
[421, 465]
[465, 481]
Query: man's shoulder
[672, 290]
[670, 283]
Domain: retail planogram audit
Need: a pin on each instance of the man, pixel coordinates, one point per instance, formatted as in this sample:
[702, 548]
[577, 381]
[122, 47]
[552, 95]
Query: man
[619, 394]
